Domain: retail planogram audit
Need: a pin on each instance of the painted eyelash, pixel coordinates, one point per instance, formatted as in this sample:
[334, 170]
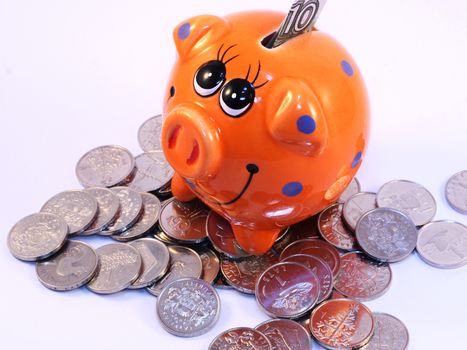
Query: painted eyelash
[221, 59]
[256, 76]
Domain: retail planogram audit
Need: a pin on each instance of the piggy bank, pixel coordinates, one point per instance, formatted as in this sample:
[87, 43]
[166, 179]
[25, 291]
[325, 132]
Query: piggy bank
[265, 137]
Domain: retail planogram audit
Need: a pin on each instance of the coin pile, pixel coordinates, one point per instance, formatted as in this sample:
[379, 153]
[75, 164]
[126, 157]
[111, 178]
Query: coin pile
[313, 280]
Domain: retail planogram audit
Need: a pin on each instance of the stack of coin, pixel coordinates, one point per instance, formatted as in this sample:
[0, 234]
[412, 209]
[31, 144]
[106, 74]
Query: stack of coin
[313, 280]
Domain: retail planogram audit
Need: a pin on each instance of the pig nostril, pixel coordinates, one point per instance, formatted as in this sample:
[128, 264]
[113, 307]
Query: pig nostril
[173, 136]
[194, 154]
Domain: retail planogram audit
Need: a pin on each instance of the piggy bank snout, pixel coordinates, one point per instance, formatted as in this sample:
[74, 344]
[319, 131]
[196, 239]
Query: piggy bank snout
[191, 142]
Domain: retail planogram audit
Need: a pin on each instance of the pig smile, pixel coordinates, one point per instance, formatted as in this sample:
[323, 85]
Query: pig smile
[252, 169]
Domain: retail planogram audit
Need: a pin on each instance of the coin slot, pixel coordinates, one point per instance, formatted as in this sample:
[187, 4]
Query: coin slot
[173, 136]
[268, 40]
[194, 154]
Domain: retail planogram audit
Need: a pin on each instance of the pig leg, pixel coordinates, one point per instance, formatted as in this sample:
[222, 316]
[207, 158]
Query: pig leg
[256, 242]
[181, 190]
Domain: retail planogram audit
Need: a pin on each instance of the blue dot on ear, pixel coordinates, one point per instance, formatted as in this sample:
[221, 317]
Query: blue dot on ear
[306, 124]
[347, 68]
[357, 159]
[184, 31]
[292, 189]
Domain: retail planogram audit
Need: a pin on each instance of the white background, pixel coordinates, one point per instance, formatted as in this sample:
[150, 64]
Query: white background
[78, 74]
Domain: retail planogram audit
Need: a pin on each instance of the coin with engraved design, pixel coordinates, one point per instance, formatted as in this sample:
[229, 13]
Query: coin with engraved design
[352, 188]
[184, 263]
[362, 278]
[152, 171]
[77, 208]
[149, 134]
[73, 267]
[386, 234]
[108, 206]
[321, 270]
[188, 307]
[145, 223]
[243, 274]
[105, 166]
[342, 324]
[37, 236]
[285, 335]
[408, 197]
[184, 221]
[443, 244]
[356, 206]
[154, 259]
[390, 334]
[287, 290]
[456, 191]
[319, 248]
[131, 207]
[333, 230]
[241, 338]
[119, 267]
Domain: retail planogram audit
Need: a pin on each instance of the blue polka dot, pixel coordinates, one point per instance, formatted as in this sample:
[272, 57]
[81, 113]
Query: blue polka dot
[306, 124]
[184, 31]
[347, 68]
[357, 159]
[292, 189]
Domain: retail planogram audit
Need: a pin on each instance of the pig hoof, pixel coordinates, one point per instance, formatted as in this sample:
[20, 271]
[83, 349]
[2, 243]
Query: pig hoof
[181, 190]
[256, 242]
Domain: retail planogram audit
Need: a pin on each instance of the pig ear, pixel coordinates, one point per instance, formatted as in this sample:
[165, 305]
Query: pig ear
[295, 116]
[196, 33]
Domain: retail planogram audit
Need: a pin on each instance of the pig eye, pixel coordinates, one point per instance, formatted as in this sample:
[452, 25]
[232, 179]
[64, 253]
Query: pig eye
[209, 78]
[236, 97]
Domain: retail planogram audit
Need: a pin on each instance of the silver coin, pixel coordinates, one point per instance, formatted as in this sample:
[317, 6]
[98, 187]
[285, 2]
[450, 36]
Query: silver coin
[155, 261]
[285, 335]
[361, 278]
[287, 290]
[149, 134]
[389, 334]
[108, 206]
[243, 274]
[456, 191]
[77, 208]
[352, 188]
[37, 236]
[211, 264]
[131, 207]
[119, 267]
[105, 166]
[72, 268]
[152, 172]
[386, 234]
[147, 220]
[321, 270]
[242, 338]
[410, 198]
[184, 263]
[332, 228]
[443, 244]
[161, 236]
[188, 307]
[356, 206]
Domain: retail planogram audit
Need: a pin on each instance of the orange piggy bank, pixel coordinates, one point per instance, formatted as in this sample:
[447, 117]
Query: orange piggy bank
[265, 137]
